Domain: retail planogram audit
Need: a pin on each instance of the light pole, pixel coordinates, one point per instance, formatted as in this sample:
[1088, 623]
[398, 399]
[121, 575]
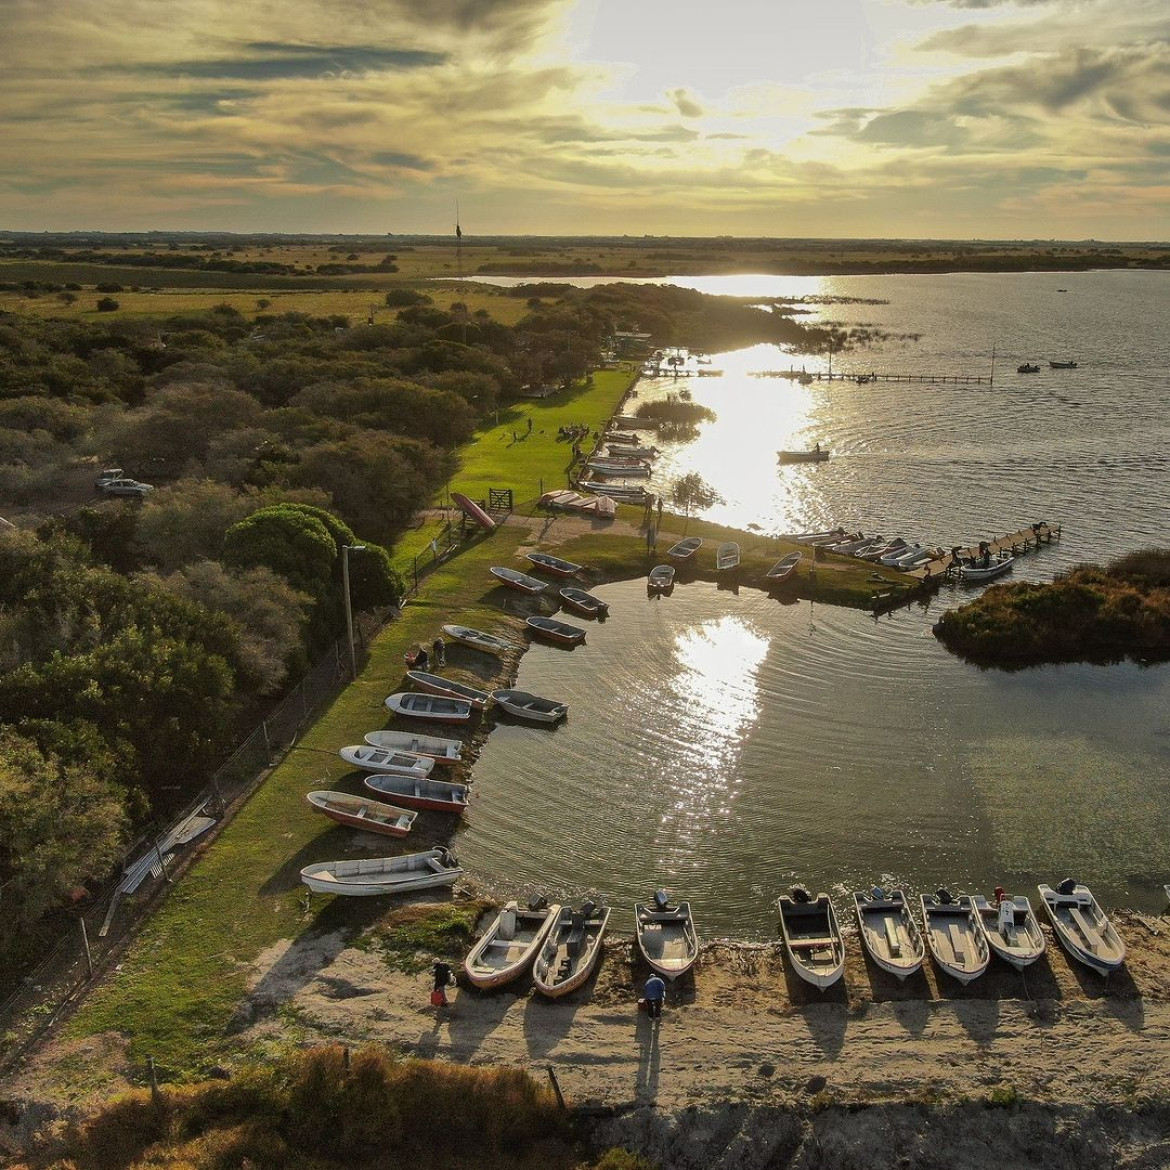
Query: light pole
[346, 549]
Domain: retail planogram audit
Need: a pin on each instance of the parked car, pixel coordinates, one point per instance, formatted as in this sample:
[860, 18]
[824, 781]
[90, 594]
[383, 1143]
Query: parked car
[109, 474]
[126, 487]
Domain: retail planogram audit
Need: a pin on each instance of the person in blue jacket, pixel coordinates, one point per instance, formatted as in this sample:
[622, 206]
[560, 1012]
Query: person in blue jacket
[655, 993]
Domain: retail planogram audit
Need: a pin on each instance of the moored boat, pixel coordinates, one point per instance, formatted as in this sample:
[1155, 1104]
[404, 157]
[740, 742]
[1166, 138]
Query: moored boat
[369, 876]
[553, 631]
[1027, 368]
[358, 812]
[957, 942]
[380, 759]
[995, 567]
[889, 932]
[661, 577]
[1083, 928]
[1062, 365]
[442, 751]
[411, 792]
[630, 451]
[509, 944]
[517, 580]
[727, 558]
[685, 549]
[1011, 928]
[437, 708]
[582, 602]
[532, 707]
[784, 568]
[814, 455]
[812, 938]
[436, 684]
[478, 640]
[618, 470]
[553, 564]
[666, 935]
[570, 950]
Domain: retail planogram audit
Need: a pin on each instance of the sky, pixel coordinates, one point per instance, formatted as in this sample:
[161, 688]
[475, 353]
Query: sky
[1046, 119]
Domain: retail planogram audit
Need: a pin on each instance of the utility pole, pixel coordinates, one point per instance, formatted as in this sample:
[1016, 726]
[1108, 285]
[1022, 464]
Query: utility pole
[346, 549]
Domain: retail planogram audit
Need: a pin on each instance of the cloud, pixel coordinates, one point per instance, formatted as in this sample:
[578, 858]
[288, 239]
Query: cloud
[685, 104]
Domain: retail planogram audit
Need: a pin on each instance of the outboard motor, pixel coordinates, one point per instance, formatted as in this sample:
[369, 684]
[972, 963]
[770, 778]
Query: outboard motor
[661, 899]
[800, 894]
[538, 902]
[588, 909]
[945, 897]
[1068, 886]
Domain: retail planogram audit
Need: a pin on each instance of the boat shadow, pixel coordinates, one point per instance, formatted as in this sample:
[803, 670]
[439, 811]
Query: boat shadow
[884, 987]
[475, 1016]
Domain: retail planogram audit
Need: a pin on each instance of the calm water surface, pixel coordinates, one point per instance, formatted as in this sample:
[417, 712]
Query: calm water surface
[726, 746]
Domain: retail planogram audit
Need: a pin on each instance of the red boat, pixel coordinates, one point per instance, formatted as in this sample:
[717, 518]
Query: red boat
[360, 813]
[432, 795]
[470, 508]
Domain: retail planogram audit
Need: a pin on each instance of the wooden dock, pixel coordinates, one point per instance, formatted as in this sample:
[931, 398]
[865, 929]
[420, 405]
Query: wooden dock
[865, 379]
[1014, 542]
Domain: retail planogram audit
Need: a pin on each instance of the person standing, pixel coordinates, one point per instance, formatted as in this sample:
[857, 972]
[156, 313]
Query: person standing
[444, 978]
[655, 993]
[440, 651]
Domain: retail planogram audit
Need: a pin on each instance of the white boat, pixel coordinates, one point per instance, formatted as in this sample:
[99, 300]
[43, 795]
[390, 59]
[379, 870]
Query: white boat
[620, 492]
[628, 470]
[661, 577]
[812, 938]
[438, 708]
[358, 812]
[889, 932]
[582, 602]
[630, 451]
[784, 568]
[553, 631]
[956, 940]
[436, 684]
[518, 580]
[1082, 926]
[878, 550]
[727, 557]
[905, 553]
[831, 534]
[847, 548]
[553, 564]
[996, 566]
[532, 707]
[509, 945]
[368, 876]
[1011, 929]
[685, 549]
[442, 751]
[571, 950]
[425, 794]
[666, 936]
[382, 759]
[478, 640]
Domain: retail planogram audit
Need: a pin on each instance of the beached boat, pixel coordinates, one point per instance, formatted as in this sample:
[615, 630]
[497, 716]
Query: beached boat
[436, 684]
[1027, 368]
[619, 470]
[478, 640]
[852, 545]
[526, 706]
[582, 602]
[685, 549]
[630, 451]
[600, 506]
[553, 564]
[1082, 926]
[889, 932]
[878, 550]
[727, 558]
[621, 493]
[369, 876]
[996, 566]
[1062, 365]
[812, 938]
[427, 794]
[830, 534]
[904, 552]
[815, 455]
[957, 941]
[473, 511]
[380, 759]
[517, 580]
[661, 577]
[358, 812]
[570, 950]
[1011, 929]
[553, 631]
[784, 568]
[509, 944]
[666, 935]
[442, 751]
[438, 708]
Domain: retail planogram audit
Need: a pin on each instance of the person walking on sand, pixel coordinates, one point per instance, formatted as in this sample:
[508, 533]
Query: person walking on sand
[444, 978]
[655, 994]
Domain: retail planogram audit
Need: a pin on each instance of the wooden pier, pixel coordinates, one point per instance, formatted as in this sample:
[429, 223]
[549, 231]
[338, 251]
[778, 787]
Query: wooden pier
[865, 379]
[1014, 542]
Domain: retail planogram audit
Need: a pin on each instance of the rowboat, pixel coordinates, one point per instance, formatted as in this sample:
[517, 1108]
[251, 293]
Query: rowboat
[509, 945]
[478, 640]
[661, 577]
[553, 564]
[438, 708]
[830, 534]
[685, 549]
[582, 602]
[553, 631]
[812, 938]
[614, 436]
[1027, 368]
[995, 567]
[1062, 365]
[815, 455]
[621, 492]
[601, 506]
[435, 684]
[666, 936]
[957, 942]
[1011, 929]
[359, 813]
[442, 751]
[903, 552]
[784, 568]
[431, 795]
[611, 467]
[532, 707]
[368, 876]
[889, 932]
[519, 580]
[571, 950]
[630, 451]
[851, 545]
[380, 759]
[727, 557]
[1082, 926]
[472, 510]
[876, 551]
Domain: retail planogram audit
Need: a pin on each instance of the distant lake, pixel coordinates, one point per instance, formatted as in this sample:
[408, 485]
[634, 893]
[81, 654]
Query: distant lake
[724, 745]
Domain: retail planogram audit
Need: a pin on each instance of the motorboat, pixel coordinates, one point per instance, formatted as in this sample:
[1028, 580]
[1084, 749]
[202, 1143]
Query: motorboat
[812, 938]
[815, 455]
[551, 630]
[1012, 930]
[906, 552]
[996, 566]
[957, 941]
[438, 708]
[372, 758]
[666, 936]
[784, 568]
[727, 557]
[571, 950]
[1083, 927]
[478, 640]
[368, 876]
[580, 601]
[553, 564]
[358, 812]
[435, 684]
[442, 751]
[509, 944]
[428, 795]
[532, 707]
[1027, 368]
[661, 578]
[1062, 365]
[685, 549]
[517, 580]
[889, 932]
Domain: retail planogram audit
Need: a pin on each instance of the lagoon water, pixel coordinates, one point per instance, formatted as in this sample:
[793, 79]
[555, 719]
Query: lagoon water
[726, 746]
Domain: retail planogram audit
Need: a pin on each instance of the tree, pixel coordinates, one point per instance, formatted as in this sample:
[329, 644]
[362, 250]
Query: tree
[289, 541]
[692, 491]
[108, 305]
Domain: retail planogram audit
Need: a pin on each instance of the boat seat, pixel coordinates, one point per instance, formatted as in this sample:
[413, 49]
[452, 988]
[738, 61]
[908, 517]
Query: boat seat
[809, 944]
[502, 942]
[1086, 928]
[361, 812]
[436, 865]
[892, 941]
[956, 937]
[575, 942]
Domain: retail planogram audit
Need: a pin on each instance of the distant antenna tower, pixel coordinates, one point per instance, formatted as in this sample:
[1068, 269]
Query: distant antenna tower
[458, 243]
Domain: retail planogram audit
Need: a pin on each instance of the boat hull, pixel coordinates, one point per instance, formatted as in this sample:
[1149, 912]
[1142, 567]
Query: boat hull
[441, 710]
[442, 751]
[389, 820]
[812, 940]
[560, 632]
[435, 684]
[1020, 947]
[1083, 929]
[372, 877]
[473, 511]
[514, 579]
[425, 796]
[495, 961]
[957, 943]
[477, 640]
[667, 939]
[886, 925]
[565, 961]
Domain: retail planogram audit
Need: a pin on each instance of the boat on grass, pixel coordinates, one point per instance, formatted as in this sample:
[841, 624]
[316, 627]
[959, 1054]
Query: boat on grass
[583, 602]
[478, 640]
[570, 950]
[661, 578]
[387, 759]
[956, 939]
[428, 795]
[814, 455]
[727, 557]
[889, 932]
[685, 549]
[474, 511]
[442, 751]
[370, 876]
[812, 938]
[666, 936]
[1011, 928]
[359, 812]
[784, 568]
[1083, 928]
[553, 564]
[436, 684]
[517, 580]
[438, 708]
[553, 631]
[531, 707]
[509, 944]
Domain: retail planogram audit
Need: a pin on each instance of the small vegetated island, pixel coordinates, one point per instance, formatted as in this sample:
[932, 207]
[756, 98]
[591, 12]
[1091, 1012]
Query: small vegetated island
[1091, 613]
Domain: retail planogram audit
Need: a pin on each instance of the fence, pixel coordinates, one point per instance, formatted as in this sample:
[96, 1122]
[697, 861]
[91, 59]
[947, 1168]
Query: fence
[107, 922]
